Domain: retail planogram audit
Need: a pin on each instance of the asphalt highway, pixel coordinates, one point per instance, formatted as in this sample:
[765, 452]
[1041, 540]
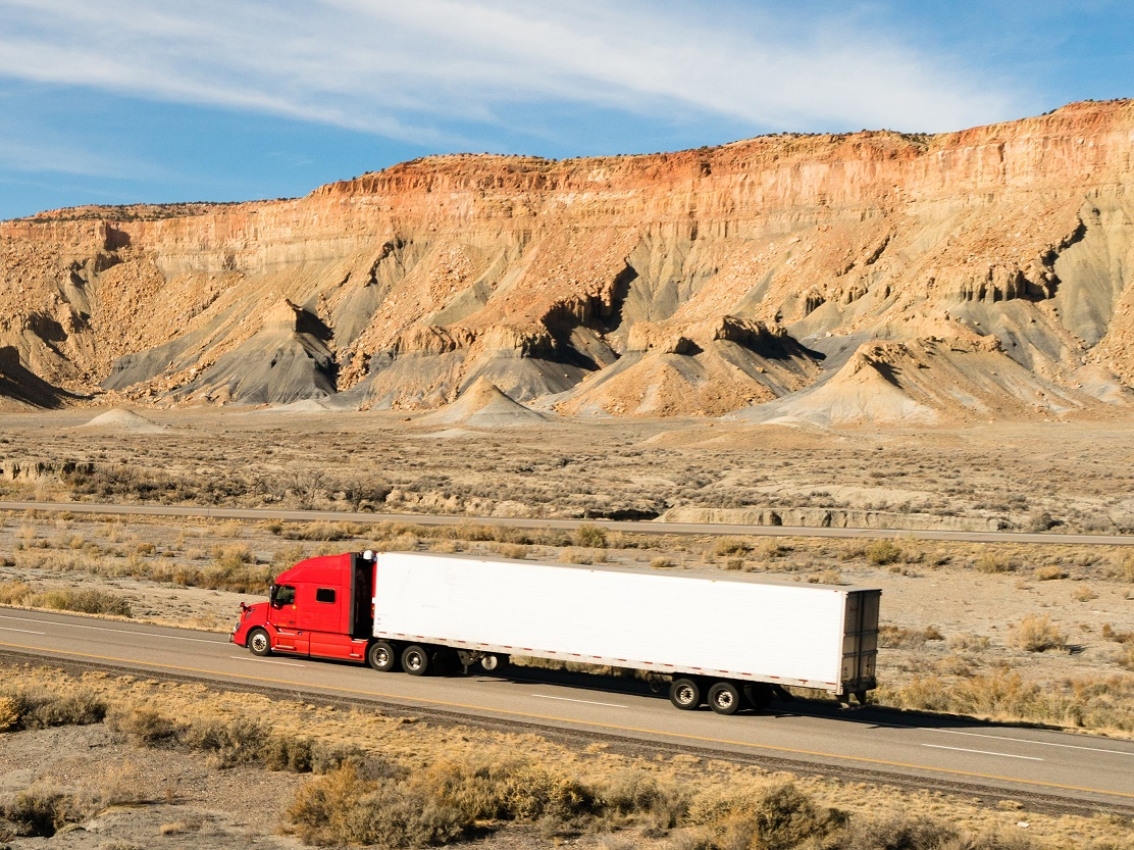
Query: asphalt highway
[1005, 760]
[635, 527]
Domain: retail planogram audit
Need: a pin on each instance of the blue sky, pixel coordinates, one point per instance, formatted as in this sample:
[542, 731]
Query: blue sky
[125, 101]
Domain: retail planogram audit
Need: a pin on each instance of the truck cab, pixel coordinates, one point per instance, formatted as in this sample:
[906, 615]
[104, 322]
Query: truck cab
[320, 608]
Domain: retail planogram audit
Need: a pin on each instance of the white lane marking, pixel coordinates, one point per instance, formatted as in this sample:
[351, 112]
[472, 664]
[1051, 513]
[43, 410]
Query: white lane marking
[104, 629]
[1027, 741]
[981, 752]
[24, 631]
[266, 661]
[586, 701]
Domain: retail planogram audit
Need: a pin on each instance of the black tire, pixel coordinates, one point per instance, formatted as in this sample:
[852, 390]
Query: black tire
[686, 694]
[724, 698]
[259, 644]
[758, 695]
[416, 660]
[382, 656]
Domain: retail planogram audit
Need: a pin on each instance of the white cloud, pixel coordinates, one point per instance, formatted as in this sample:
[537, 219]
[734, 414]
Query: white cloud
[414, 70]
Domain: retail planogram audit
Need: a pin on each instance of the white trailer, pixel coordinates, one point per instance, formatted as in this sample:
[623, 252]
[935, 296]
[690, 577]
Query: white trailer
[725, 640]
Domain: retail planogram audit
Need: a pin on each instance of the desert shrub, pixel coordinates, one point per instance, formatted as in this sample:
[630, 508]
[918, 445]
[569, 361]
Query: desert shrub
[1126, 569]
[326, 531]
[11, 713]
[589, 535]
[969, 641]
[661, 563]
[41, 710]
[143, 727]
[516, 551]
[39, 812]
[511, 789]
[576, 556]
[777, 818]
[87, 601]
[638, 793]
[1036, 633]
[1093, 703]
[287, 753]
[228, 743]
[1126, 657]
[1051, 572]
[882, 552]
[78, 709]
[725, 546]
[899, 637]
[434, 806]
[898, 833]
[345, 807]
[989, 562]
[14, 592]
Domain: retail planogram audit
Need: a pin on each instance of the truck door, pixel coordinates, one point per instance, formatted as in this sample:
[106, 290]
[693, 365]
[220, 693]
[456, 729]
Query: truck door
[321, 615]
[285, 617]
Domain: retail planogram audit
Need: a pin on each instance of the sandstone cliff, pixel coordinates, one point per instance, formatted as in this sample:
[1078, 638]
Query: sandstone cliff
[865, 277]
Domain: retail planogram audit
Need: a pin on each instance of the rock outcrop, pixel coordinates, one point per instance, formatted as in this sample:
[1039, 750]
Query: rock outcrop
[867, 277]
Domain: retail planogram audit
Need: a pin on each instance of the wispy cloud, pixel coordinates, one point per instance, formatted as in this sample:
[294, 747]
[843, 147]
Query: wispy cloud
[412, 70]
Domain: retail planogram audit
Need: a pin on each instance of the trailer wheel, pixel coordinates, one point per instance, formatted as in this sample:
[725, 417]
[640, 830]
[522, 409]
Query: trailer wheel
[758, 695]
[493, 662]
[382, 656]
[685, 694]
[259, 643]
[724, 698]
[415, 660]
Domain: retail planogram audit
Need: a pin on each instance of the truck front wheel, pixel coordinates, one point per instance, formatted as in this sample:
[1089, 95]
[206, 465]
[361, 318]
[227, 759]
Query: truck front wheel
[415, 660]
[259, 643]
[685, 694]
[724, 698]
[382, 656]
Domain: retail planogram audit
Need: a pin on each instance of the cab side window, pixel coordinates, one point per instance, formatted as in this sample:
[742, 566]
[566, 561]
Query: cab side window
[285, 595]
[325, 594]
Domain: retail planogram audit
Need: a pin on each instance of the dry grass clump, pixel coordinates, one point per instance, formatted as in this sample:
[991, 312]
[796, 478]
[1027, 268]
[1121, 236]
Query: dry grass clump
[1052, 572]
[86, 601]
[776, 817]
[39, 709]
[326, 531]
[1037, 633]
[882, 552]
[227, 742]
[725, 546]
[899, 637]
[914, 833]
[990, 562]
[455, 799]
[436, 806]
[590, 536]
[38, 812]
[1100, 704]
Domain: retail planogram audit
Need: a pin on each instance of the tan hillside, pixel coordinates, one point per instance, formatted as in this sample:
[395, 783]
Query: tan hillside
[872, 277]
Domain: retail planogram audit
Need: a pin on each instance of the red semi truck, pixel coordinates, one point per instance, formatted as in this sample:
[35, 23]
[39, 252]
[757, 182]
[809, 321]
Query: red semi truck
[726, 640]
